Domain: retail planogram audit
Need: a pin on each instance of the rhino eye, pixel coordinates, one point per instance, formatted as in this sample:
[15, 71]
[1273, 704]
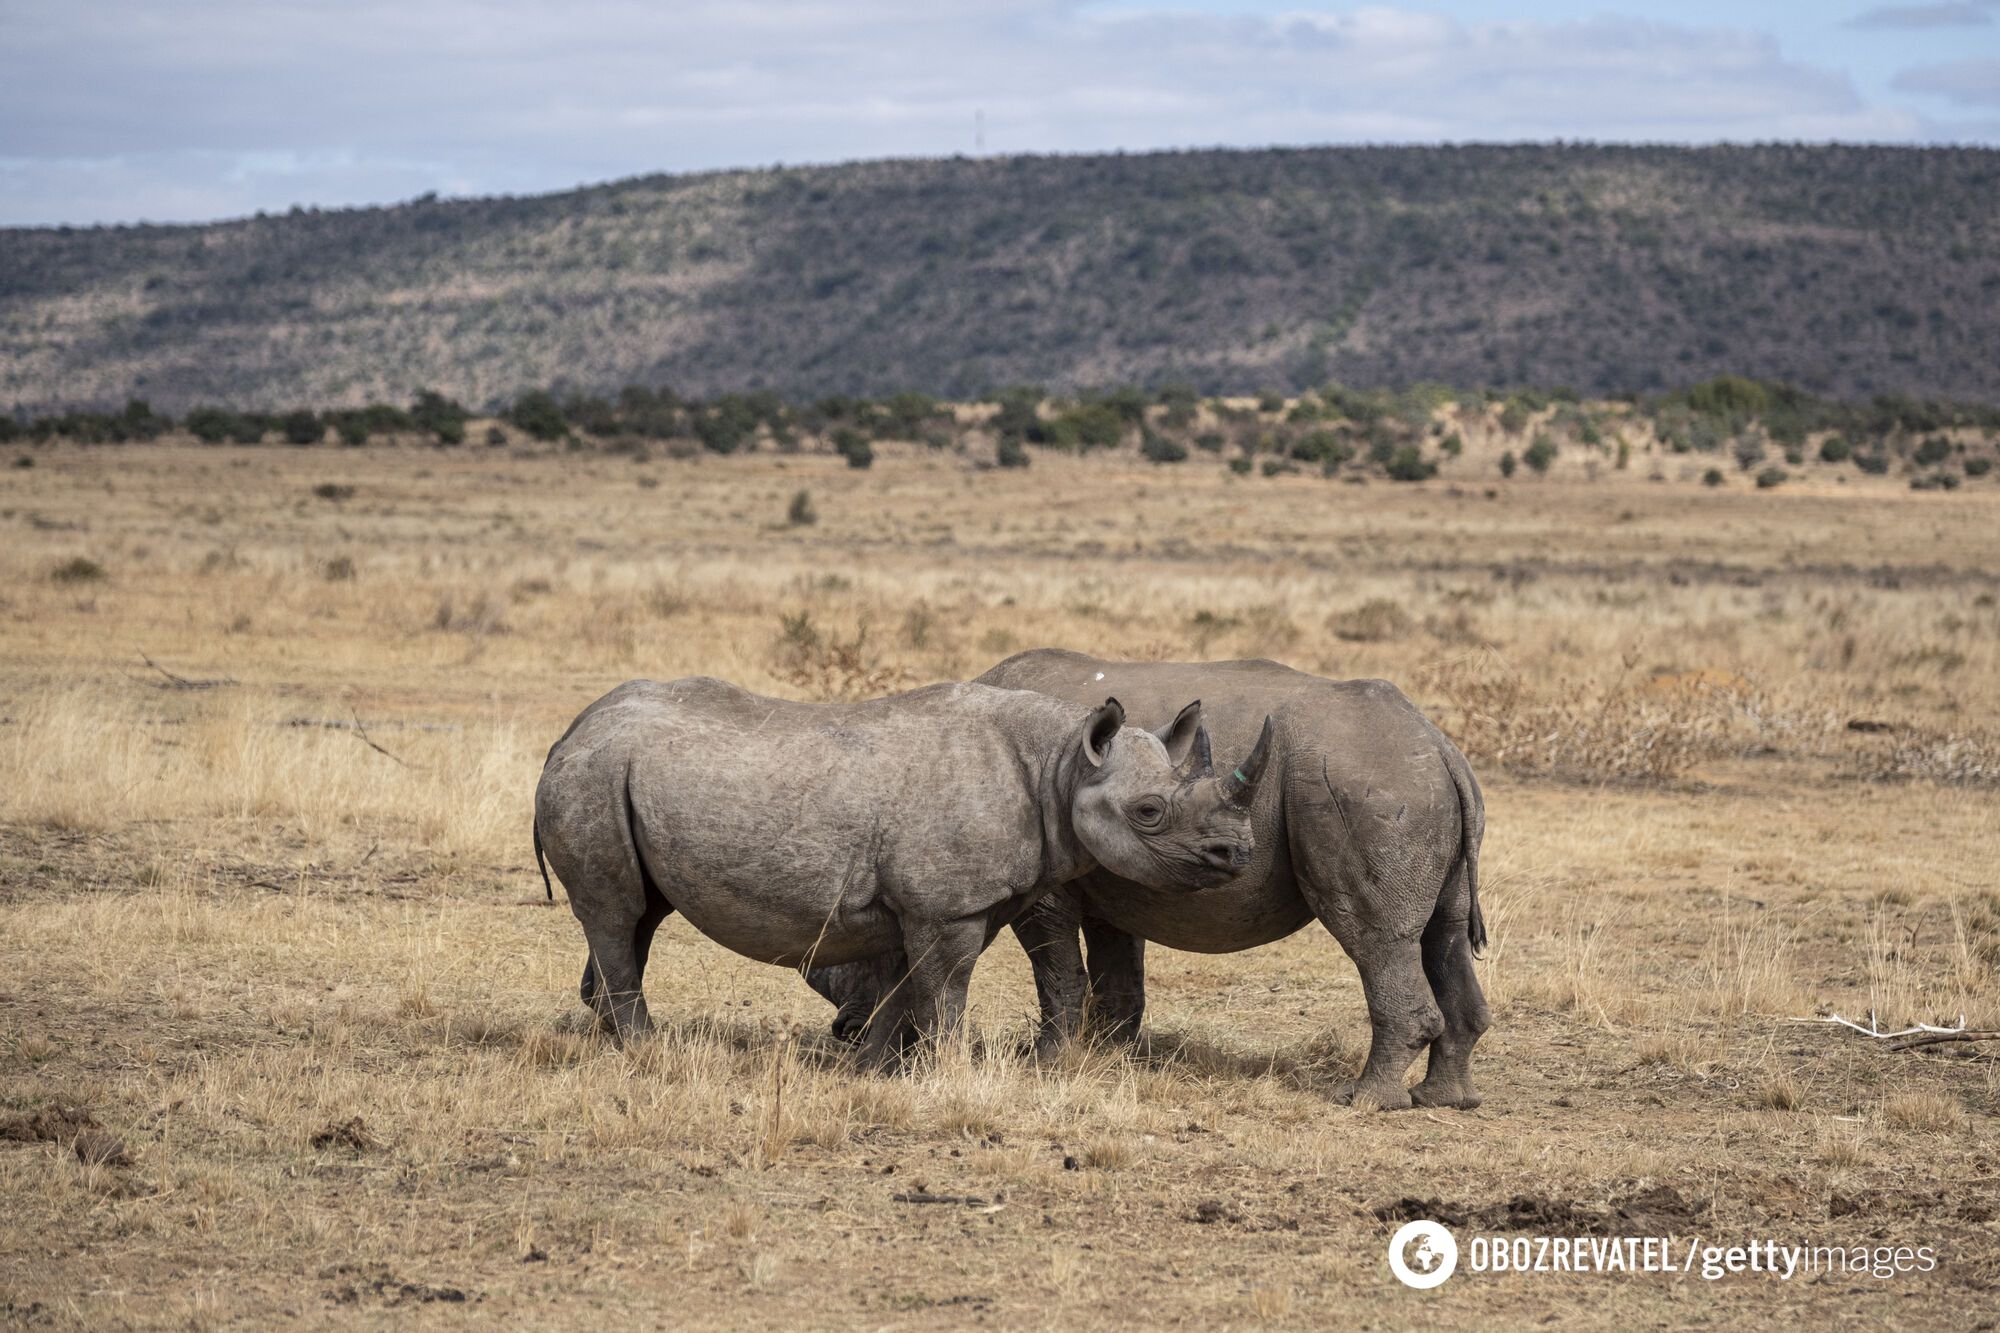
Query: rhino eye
[1148, 814]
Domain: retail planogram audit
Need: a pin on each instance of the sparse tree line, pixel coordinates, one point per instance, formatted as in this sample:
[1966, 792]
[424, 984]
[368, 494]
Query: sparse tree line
[1402, 434]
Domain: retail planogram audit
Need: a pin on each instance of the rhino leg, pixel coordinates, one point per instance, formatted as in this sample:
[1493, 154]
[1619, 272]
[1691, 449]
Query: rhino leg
[941, 955]
[1048, 931]
[886, 1035]
[1402, 1014]
[592, 846]
[1117, 979]
[657, 910]
[1454, 983]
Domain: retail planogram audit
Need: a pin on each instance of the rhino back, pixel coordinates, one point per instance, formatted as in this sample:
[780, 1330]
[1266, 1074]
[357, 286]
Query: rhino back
[779, 828]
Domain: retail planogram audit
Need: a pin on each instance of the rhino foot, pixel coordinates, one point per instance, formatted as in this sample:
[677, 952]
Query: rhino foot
[1376, 1096]
[1461, 1096]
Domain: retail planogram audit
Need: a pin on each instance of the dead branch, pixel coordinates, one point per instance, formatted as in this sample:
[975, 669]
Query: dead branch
[1910, 1038]
[175, 682]
[347, 724]
[369, 741]
[1941, 1038]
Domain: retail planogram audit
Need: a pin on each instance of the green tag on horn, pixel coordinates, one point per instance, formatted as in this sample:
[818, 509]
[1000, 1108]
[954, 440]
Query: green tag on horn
[1241, 778]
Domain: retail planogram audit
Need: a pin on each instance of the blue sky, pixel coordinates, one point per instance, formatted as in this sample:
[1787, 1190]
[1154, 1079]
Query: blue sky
[175, 110]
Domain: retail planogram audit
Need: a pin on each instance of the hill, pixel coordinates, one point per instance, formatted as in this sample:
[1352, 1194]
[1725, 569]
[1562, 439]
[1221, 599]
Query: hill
[1848, 271]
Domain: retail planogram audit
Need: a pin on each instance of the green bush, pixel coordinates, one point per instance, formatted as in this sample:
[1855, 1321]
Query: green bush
[1933, 450]
[1835, 449]
[801, 513]
[352, 427]
[1712, 477]
[1162, 449]
[1452, 444]
[538, 413]
[1324, 447]
[1978, 467]
[1019, 417]
[211, 425]
[1408, 464]
[1729, 396]
[302, 427]
[1010, 452]
[1241, 466]
[1935, 481]
[1772, 476]
[443, 417]
[1540, 454]
[852, 445]
[860, 455]
[1209, 442]
[1088, 426]
[1874, 464]
[1508, 463]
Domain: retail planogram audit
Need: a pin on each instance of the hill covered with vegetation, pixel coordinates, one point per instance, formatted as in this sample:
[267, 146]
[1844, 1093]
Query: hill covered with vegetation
[1846, 271]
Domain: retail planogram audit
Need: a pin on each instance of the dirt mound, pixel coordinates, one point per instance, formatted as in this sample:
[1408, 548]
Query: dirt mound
[1656, 1211]
[350, 1133]
[50, 1124]
[378, 1284]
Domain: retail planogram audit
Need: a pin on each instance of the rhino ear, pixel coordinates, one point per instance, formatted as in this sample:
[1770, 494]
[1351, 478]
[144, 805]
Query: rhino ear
[1187, 742]
[1099, 729]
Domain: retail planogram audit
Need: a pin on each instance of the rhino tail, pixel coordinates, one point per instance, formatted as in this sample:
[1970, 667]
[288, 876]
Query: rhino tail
[1472, 831]
[541, 860]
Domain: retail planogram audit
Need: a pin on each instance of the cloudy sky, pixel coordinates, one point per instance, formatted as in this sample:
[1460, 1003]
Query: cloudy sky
[168, 110]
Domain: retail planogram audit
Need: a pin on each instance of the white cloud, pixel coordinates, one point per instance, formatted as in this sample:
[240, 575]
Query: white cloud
[1966, 82]
[120, 109]
[1924, 16]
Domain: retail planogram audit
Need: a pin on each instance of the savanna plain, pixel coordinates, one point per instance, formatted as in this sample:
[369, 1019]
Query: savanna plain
[289, 1033]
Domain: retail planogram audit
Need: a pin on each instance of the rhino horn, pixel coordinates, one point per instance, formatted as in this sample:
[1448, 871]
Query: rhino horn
[1241, 784]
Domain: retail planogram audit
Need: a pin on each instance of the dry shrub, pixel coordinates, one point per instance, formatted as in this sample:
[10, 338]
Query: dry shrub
[78, 569]
[1577, 727]
[1377, 620]
[1955, 758]
[1748, 968]
[1926, 1112]
[1779, 1090]
[478, 614]
[824, 666]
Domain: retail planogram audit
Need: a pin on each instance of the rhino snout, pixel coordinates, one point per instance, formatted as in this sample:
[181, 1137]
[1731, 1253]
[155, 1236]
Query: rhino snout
[1227, 855]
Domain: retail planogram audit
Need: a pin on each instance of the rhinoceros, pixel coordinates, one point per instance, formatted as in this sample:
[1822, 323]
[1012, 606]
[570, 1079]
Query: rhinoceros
[909, 828]
[1369, 820]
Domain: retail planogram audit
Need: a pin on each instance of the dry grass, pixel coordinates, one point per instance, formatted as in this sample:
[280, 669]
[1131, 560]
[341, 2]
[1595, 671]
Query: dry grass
[280, 935]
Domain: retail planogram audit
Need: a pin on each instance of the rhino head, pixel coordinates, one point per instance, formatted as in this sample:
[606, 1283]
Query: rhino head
[1149, 807]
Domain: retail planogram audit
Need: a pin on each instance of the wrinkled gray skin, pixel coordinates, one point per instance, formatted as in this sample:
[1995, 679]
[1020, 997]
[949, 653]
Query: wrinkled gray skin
[908, 828]
[1369, 820]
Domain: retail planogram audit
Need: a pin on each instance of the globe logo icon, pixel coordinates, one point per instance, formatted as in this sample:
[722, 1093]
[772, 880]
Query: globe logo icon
[1422, 1254]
